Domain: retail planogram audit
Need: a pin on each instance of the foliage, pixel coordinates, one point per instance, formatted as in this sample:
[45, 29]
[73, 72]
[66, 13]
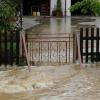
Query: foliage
[13, 3]
[98, 9]
[7, 13]
[91, 7]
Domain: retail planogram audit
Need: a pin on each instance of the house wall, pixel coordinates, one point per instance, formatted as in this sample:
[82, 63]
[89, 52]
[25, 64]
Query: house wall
[68, 4]
[27, 6]
[52, 5]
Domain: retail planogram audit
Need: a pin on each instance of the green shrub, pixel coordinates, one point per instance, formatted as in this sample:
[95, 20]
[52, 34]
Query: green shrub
[7, 13]
[91, 7]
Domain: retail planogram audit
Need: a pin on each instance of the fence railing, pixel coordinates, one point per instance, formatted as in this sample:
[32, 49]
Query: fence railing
[9, 47]
[90, 44]
[50, 49]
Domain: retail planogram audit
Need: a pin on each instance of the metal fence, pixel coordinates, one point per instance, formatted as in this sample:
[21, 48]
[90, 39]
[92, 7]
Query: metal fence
[9, 47]
[90, 44]
[50, 49]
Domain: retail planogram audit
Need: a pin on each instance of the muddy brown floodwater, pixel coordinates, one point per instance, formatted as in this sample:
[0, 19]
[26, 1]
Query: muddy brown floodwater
[67, 82]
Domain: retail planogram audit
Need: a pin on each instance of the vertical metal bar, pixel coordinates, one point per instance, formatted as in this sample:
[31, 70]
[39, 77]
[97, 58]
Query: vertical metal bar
[92, 44]
[48, 52]
[66, 51]
[32, 52]
[97, 45]
[39, 52]
[5, 43]
[81, 43]
[11, 48]
[26, 38]
[0, 47]
[29, 49]
[97, 41]
[23, 54]
[59, 51]
[74, 47]
[25, 49]
[69, 48]
[21, 45]
[87, 35]
[17, 46]
[79, 52]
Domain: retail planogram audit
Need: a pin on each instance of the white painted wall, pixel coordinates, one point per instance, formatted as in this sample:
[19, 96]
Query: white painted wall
[52, 5]
[68, 4]
[63, 6]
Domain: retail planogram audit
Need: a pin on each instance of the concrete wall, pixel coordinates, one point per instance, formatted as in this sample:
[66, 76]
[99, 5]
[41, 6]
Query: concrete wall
[68, 4]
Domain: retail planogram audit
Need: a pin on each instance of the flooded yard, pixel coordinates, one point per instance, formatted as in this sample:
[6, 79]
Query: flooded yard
[59, 82]
[62, 25]
[52, 41]
[51, 83]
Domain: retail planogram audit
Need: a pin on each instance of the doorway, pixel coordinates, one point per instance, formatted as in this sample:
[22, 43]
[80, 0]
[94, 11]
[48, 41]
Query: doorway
[36, 7]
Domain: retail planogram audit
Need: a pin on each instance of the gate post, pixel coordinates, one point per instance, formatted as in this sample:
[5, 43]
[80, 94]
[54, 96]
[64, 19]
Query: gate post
[25, 49]
[75, 47]
[17, 46]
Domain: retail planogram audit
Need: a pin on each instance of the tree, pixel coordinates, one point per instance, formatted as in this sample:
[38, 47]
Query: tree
[7, 12]
[87, 7]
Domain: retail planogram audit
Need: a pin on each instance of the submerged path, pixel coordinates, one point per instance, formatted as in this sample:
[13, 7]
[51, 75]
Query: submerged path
[64, 82]
[51, 83]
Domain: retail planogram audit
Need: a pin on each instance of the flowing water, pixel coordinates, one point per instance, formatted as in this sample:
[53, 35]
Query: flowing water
[62, 25]
[52, 40]
[63, 82]
[67, 82]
